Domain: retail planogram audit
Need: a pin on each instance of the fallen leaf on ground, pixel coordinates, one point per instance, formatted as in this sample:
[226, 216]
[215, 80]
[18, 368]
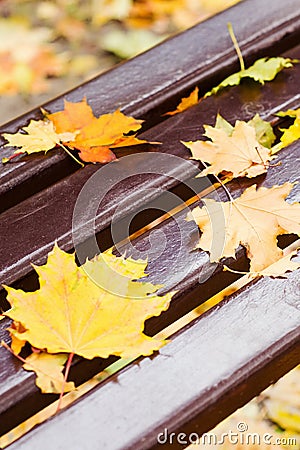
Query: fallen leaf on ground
[186, 103]
[71, 313]
[254, 220]
[27, 58]
[282, 402]
[129, 43]
[238, 153]
[264, 69]
[48, 369]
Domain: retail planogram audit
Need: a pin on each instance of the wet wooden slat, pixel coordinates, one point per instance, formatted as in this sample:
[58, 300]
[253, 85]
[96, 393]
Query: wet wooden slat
[21, 241]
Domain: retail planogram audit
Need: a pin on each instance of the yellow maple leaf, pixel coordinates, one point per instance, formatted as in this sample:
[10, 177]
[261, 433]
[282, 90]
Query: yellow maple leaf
[240, 153]
[48, 369]
[72, 313]
[40, 137]
[185, 103]
[254, 220]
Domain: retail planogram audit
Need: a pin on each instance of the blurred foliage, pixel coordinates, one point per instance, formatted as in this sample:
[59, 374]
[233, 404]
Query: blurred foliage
[42, 40]
[275, 413]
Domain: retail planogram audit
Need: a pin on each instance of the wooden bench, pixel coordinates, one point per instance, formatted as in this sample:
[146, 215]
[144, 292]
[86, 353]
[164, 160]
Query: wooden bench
[219, 360]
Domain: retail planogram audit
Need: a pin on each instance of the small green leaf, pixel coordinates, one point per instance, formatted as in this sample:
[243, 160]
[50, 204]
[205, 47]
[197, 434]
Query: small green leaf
[264, 69]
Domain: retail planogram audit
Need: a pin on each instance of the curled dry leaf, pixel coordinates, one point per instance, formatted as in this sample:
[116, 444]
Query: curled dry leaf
[239, 153]
[254, 220]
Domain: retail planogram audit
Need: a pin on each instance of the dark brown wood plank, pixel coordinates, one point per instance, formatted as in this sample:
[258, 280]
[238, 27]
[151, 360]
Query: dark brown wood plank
[208, 370]
[153, 82]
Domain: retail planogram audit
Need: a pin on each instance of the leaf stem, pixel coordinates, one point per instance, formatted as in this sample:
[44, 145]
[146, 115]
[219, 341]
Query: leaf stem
[236, 46]
[70, 154]
[68, 365]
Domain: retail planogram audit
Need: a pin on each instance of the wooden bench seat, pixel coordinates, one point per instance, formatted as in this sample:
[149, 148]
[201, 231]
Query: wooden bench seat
[226, 356]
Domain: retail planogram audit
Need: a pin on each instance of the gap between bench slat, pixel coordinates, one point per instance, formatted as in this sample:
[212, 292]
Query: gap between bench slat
[153, 82]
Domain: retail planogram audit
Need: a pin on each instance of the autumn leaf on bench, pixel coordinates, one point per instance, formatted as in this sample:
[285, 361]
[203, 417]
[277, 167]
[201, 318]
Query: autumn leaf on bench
[75, 311]
[235, 150]
[264, 69]
[39, 136]
[48, 369]
[95, 136]
[77, 128]
[254, 220]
